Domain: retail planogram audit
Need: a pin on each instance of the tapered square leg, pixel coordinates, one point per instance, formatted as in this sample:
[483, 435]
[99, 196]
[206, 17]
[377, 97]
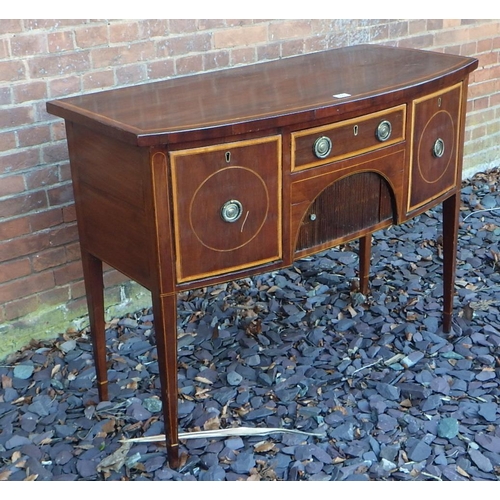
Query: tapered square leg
[451, 208]
[365, 246]
[165, 324]
[94, 288]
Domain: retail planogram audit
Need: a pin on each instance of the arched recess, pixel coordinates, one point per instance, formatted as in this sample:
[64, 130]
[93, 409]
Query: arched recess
[353, 204]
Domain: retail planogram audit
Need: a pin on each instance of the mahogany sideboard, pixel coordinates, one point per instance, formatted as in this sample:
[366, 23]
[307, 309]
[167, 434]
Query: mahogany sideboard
[208, 178]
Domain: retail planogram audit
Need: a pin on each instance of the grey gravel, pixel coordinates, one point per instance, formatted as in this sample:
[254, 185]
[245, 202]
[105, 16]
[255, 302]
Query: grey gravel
[390, 396]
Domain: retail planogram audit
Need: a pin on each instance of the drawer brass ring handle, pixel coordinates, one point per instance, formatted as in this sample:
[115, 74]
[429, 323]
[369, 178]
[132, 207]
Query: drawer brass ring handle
[438, 148]
[231, 211]
[384, 130]
[322, 147]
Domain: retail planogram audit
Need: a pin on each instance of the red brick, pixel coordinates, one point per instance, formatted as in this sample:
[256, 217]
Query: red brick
[60, 87]
[11, 184]
[69, 213]
[7, 141]
[14, 227]
[68, 273]
[245, 55]
[47, 219]
[60, 41]
[15, 269]
[24, 203]
[30, 91]
[286, 30]
[28, 44]
[240, 36]
[123, 31]
[17, 116]
[179, 45]
[11, 26]
[55, 296]
[19, 160]
[182, 25]
[98, 80]
[130, 74]
[160, 69]
[33, 135]
[118, 55]
[59, 64]
[54, 152]
[26, 286]
[214, 60]
[153, 28]
[46, 259]
[189, 64]
[41, 177]
[23, 245]
[60, 195]
[63, 235]
[91, 36]
[20, 307]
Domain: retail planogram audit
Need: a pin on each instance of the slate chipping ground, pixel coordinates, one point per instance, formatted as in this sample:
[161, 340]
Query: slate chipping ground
[393, 397]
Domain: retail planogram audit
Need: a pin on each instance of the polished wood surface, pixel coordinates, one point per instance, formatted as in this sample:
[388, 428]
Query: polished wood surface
[204, 179]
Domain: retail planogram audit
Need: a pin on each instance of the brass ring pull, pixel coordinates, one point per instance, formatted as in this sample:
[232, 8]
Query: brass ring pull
[384, 130]
[438, 148]
[231, 211]
[322, 147]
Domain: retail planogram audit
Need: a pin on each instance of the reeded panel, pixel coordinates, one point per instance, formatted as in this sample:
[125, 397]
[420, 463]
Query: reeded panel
[353, 203]
[227, 207]
[436, 126]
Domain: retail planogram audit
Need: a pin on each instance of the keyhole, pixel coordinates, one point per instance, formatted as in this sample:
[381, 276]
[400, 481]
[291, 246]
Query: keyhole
[439, 102]
[355, 130]
[228, 156]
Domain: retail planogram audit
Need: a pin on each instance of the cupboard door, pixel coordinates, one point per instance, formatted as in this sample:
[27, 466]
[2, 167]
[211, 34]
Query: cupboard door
[227, 207]
[435, 155]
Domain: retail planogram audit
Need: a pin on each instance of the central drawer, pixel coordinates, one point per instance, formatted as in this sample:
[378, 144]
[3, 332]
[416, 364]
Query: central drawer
[227, 207]
[320, 145]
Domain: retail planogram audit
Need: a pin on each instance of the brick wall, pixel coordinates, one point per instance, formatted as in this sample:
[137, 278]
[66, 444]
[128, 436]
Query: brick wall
[41, 288]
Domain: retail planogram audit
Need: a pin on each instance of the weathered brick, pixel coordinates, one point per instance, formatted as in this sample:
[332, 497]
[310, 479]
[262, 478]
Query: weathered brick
[59, 64]
[9, 185]
[29, 44]
[33, 135]
[160, 69]
[240, 36]
[15, 269]
[13, 227]
[245, 55]
[118, 55]
[45, 220]
[130, 74]
[123, 31]
[60, 41]
[46, 259]
[189, 64]
[60, 87]
[91, 36]
[24, 203]
[21, 307]
[11, 26]
[17, 116]
[60, 195]
[29, 91]
[70, 272]
[19, 160]
[150, 28]
[286, 30]
[28, 285]
[7, 140]
[98, 80]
